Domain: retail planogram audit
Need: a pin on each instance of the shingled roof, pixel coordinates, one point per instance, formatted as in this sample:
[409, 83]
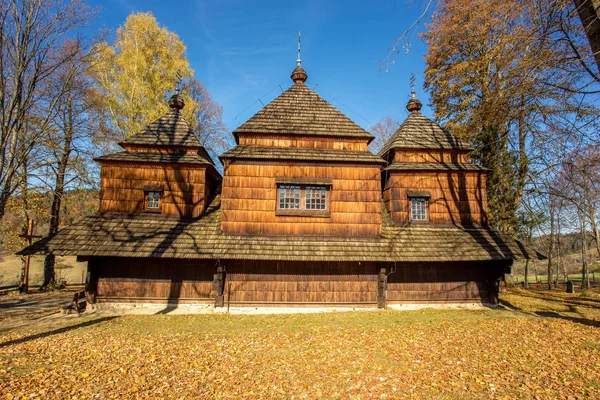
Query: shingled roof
[171, 129]
[122, 235]
[299, 110]
[251, 152]
[419, 132]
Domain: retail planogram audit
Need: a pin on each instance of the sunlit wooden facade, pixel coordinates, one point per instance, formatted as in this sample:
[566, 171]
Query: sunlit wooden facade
[304, 215]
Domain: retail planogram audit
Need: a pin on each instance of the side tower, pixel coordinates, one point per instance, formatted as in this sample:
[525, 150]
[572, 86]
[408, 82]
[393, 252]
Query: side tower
[428, 178]
[163, 170]
[301, 167]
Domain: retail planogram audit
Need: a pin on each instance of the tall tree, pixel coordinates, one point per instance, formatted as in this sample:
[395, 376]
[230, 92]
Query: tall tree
[383, 130]
[208, 115]
[589, 13]
[71, 135]
[31, 35]
[135, 74]
[501, 73]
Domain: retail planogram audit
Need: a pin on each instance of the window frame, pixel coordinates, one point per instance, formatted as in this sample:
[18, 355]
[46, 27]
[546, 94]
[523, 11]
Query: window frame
[412, 196]
[303, 211]
[147, 191]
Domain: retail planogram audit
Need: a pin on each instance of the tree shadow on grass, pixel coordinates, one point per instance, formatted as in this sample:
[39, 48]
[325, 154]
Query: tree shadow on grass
[550, 296]
[56, 331]
[551, 314]
[579, 320]
[508, 305]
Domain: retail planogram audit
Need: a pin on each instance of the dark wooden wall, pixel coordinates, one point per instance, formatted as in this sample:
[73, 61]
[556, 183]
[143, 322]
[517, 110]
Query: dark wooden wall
[249, 200]
[280, 283]
[456, 197]
[443, 282]
[152, 280]
[122, 188]
[291, 283]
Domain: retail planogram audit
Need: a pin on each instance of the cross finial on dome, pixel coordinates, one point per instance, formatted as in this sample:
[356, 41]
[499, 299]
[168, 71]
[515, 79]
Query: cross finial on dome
[298, 74]
[176, 101]
[178, 83]
[299, 60]
[413, 105]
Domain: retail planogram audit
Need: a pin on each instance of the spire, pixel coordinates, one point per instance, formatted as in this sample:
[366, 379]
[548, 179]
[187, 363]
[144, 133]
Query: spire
[413, 105]
[176, 101]
[299, 60]
[298, 74]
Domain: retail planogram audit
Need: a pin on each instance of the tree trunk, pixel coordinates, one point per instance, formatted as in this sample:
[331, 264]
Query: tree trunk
[4, 196]
[551, 244]
[592, 213]
[526, 282]
[523, 158]
[584, 269]
[589, 14]
[59, 191]
[560, 264]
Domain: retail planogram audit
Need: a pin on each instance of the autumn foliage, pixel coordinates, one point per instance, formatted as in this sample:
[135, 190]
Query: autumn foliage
[532, 352]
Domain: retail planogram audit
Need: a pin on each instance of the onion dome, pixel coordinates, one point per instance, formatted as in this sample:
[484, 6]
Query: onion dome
[299, 75]
[176, 102]
[414, 105]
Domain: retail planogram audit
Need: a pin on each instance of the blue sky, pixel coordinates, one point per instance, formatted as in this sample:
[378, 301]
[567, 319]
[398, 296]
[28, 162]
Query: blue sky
[244, 50]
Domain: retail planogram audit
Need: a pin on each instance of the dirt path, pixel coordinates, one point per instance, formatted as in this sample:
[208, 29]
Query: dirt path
[20, 310]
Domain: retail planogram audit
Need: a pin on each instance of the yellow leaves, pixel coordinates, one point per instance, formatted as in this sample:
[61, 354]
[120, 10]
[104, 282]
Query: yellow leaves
[137, 72]
[421, 354]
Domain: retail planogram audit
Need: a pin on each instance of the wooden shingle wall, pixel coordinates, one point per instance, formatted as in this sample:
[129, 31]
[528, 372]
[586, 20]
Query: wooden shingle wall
[444, 156]
[332, 143]
[249, 200]
[256, 282]
[122, 188]
[456, 197]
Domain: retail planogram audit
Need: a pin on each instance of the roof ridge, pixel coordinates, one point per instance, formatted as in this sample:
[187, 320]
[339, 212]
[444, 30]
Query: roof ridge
[299, 110]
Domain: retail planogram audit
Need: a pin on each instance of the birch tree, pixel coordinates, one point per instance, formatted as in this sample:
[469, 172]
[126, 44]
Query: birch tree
[137, 71]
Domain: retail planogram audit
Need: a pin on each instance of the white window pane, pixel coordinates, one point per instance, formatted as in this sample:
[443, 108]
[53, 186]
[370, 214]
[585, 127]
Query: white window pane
[289, 197]
[418, 209]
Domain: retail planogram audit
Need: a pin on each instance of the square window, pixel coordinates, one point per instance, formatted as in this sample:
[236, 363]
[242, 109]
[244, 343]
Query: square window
[289, 197]
[418, 209]
[152, 200]
[316, 198]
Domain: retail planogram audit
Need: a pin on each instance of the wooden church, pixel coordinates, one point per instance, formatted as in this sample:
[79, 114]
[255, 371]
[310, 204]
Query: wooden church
[305, 215]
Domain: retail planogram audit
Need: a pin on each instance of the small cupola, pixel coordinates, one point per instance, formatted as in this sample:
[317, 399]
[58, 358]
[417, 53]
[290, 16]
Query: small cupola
[414, 104]
[299, 75]
[176, 102]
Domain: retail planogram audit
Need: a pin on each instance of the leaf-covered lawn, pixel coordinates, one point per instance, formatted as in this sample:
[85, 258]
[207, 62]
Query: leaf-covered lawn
[371, 354]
